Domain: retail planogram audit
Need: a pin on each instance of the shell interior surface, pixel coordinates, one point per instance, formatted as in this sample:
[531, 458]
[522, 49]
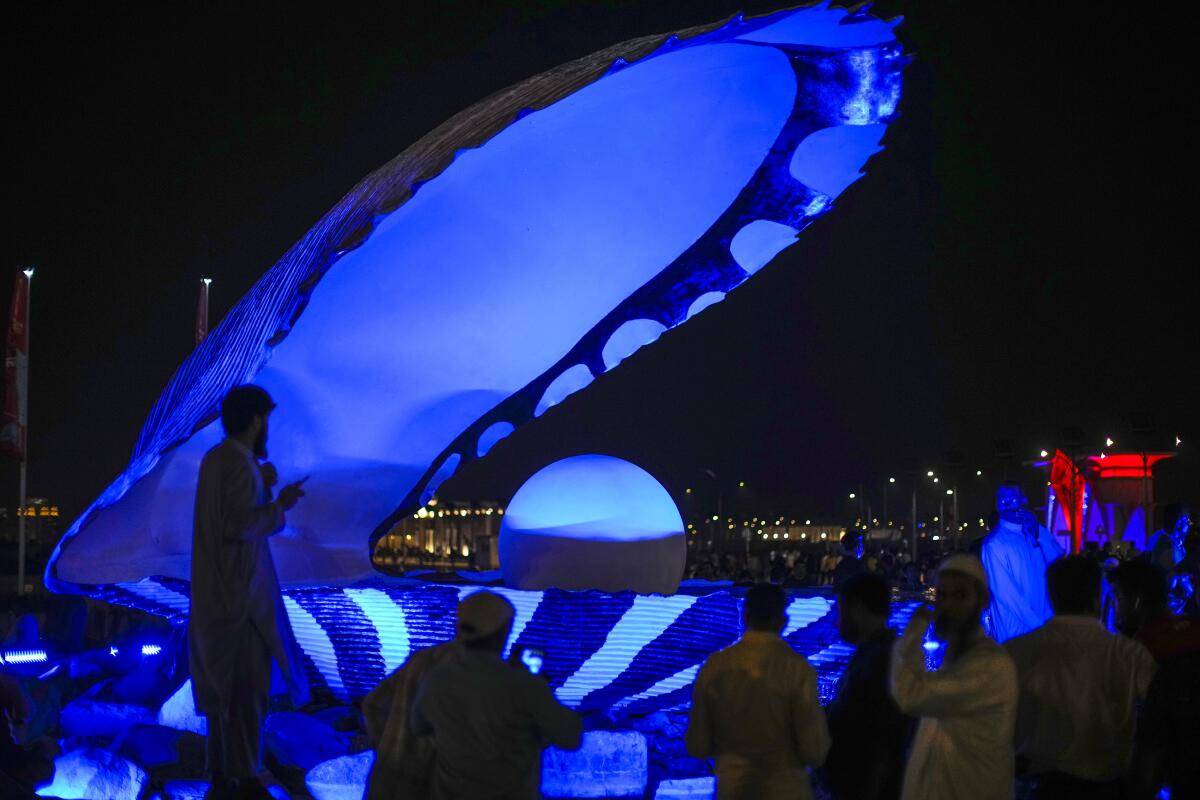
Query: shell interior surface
[497, 266]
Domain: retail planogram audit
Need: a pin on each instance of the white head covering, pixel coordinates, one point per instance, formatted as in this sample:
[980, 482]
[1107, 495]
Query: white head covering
[968, 565]
[481, 614]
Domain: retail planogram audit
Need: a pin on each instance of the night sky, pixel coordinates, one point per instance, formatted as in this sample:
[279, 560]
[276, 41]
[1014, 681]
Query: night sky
[1018, 263]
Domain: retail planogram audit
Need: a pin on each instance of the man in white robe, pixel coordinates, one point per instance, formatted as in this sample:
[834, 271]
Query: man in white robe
[1015, 556]
[237, 625]
[963, 749]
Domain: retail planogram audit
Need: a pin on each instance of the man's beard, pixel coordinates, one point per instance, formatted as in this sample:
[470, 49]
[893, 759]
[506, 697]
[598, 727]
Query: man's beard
[260, 444]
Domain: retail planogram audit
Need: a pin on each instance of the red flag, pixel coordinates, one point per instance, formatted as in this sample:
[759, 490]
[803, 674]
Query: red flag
[16, 371]
[1069, 487]
[202, 311]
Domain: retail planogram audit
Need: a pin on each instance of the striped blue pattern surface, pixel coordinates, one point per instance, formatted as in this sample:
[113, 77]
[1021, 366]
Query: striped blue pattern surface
[623, 652]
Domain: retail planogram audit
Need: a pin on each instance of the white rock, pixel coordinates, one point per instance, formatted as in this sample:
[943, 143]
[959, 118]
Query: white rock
[607, 764]
[94, 774]
[687, 789]
[343, 778]
[179, 712]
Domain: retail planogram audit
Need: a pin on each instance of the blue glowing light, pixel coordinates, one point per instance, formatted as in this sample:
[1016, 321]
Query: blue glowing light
[497, 267]
[23, 656]
[593, 522]
[594, 497]
[112, 651]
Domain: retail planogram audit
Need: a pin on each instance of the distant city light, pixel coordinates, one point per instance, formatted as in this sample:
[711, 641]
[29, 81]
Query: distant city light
[949, 491]
[935, 480]
[891, 480]
[852, 495]
[936, 537]
[741, 484]
[1044, 454]
[929, 474]
[1108, 442]
[808, 522]
[978, 472]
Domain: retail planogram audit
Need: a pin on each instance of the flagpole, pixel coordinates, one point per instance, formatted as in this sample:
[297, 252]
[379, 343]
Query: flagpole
[24, 446]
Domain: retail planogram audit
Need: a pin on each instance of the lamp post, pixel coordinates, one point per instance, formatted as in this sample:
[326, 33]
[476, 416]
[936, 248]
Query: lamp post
[23, 426]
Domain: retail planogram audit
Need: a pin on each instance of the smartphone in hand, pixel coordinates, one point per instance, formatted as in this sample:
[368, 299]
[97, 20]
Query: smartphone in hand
[532, 659]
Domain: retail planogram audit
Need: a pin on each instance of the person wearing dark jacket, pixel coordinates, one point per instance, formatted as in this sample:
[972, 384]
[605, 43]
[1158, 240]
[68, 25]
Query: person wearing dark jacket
[870, 735]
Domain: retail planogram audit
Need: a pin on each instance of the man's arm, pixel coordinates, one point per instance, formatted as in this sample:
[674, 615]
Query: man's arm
[945, 693]
[811, 733]
[699, 736]
[557, 724]
[244, 517]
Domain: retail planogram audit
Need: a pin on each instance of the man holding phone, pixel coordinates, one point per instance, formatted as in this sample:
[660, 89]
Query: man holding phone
[237, 625]
[1015, 556]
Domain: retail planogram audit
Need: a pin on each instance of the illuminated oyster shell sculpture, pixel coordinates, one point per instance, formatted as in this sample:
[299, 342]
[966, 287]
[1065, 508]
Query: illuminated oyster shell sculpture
[495, 267]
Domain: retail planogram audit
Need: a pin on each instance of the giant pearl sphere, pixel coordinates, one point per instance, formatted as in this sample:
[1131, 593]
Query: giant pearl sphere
[593, 522]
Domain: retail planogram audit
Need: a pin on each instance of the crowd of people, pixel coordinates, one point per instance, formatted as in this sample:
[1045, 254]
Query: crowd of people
[1032, 682]
[1045, 688]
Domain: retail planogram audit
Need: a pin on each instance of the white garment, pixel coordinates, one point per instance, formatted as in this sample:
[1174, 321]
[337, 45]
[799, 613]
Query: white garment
[963, 749]
[234, 586]
[1016, 570]
[755, 709]
[1079, 688]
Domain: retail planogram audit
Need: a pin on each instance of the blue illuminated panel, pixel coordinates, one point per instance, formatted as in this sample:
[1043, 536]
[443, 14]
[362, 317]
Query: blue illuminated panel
[625, 652]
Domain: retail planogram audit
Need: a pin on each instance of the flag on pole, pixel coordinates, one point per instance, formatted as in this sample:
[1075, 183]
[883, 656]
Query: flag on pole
[16, 371]
[1069, 487]
[202, 311]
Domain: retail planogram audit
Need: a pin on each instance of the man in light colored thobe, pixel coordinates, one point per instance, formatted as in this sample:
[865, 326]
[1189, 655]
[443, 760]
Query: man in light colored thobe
[963, 749]
[1015, 556]
[237, 625]
[755, 709]
[1080, 690]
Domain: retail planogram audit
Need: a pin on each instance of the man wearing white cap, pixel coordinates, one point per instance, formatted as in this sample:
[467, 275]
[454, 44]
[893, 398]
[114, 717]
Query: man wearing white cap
[964, 744]
[490, 719]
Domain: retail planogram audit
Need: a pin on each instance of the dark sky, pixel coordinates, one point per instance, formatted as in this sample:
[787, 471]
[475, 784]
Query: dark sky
[1019, 261]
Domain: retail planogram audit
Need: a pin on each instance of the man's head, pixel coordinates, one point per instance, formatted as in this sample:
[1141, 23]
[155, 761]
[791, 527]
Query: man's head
[1010, 497]
[1073, 584]
[1139, 595]
[484, 621]
[962, 594]
[864, 602]
[244, 413]
[765, 608]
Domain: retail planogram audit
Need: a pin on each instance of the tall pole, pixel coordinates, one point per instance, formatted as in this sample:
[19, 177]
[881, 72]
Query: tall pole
[24, 446]
[914, 521]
